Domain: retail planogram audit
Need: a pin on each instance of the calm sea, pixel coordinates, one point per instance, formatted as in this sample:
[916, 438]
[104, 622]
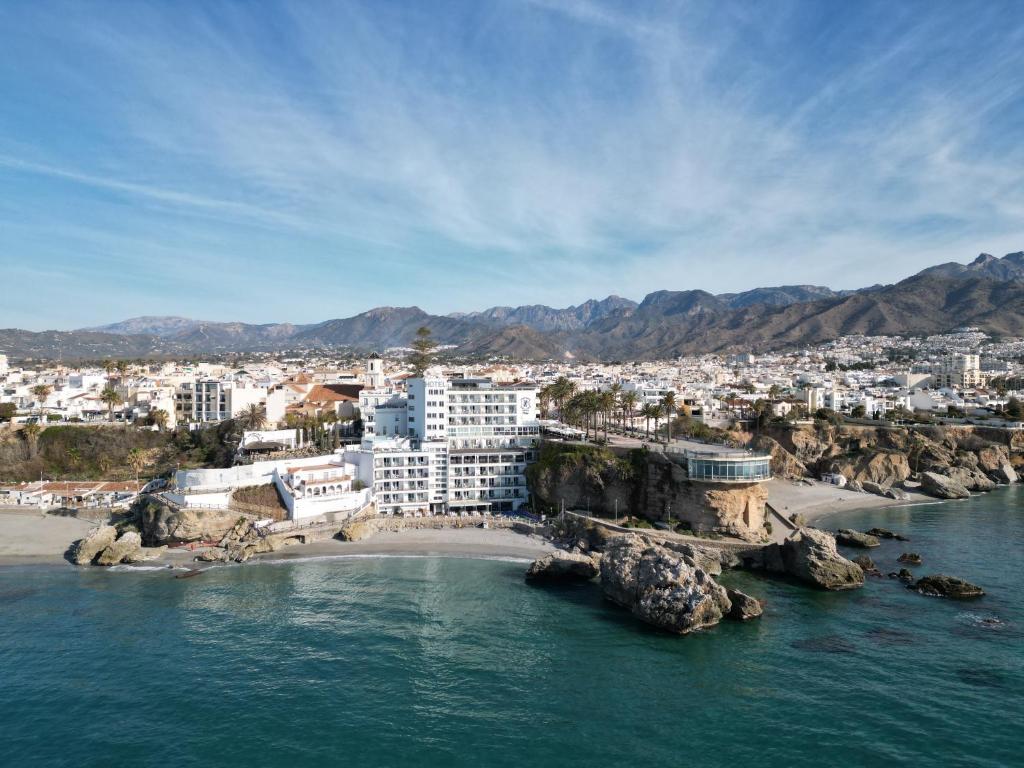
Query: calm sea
[451, 662]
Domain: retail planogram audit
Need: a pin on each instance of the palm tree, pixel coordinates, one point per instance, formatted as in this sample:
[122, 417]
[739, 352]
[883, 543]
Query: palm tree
[110, 398]
[160, 418]
[31, 433]
[628, 400]
[668, 403]
[253, 417]
[656, 413]
[647, 412]
[616, 392]
[41, 392]
[136, 461]
[606, 403]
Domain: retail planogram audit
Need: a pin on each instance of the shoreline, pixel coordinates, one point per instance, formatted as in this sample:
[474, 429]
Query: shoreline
[819, 500]
[29, 537]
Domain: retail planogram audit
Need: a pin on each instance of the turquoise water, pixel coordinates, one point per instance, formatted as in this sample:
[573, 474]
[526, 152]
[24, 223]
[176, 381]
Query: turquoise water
[450, 662]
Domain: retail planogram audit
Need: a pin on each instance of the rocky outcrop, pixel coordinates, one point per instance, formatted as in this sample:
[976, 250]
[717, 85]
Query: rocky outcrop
[971, 478]
[245, 540]
[744, 607]
[942, 487]
[160, 523]
[705, 558]
[94, 542]
[127, 549]
[357, 530]
[910, 558]
[850, 538]
[562, 566]
[659, 587]
[867, 565]
[947, 586]
[783, 463]
[903, 575]
[212, 555]
[810, 555]
[1004, 473]
[885, 533]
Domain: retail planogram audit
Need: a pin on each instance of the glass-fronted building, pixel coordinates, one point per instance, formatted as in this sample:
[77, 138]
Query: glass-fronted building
[728, 467]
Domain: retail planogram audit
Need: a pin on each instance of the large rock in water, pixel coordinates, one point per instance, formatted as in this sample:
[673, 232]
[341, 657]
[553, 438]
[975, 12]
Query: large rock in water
[1004, 473]
[659, 587]
[744, 607]
[947, 586]
[810, 555]
[942, 487]
[851, 538]
[562, 566]
[94, 542]
[127, 549]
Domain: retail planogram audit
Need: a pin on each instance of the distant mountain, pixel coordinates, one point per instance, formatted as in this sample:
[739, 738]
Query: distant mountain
[387, 327]
[988, 293]
[780, 296]
[1009, 267]
[152, 325]
[544, 318]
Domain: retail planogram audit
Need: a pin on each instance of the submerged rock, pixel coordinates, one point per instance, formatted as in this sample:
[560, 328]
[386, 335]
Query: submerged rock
[562, 566]
[94, 542]
[867, 565]
[910, 558]
[903, 575]
[885, 533]
[947, 586]
[744, 607]
[942, 487]
[851, 538]
[659, 587]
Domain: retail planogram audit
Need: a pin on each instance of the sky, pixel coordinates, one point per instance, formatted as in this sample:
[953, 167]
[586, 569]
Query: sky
[271, 162]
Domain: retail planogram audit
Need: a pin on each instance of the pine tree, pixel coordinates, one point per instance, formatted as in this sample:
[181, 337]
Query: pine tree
[424, 351]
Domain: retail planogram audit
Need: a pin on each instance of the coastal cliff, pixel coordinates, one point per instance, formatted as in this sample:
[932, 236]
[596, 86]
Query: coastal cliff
[646, 485]
[881, 459]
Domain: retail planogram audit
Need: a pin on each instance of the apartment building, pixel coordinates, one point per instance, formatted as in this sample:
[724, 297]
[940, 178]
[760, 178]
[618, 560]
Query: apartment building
[451, 445]
[958, 371]
[205, 400]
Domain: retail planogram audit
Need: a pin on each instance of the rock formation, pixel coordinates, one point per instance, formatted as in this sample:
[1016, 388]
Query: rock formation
[810, 555]
[161, 523]
[562, 566]
[851, 538]
[357, 530]
[942, 487]
[947, 586]
[94, 542]
[744, 607]
[885, 533]
[127, 549]
[910, 558]
[659, 587]
[867, 565]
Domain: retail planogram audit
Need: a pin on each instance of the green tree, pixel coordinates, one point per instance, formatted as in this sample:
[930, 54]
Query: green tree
[110, 397]
[253, 417]
[160, 418]
[628, 400]
[424, 351]
[31, 434]
[136, 462]
[7, 411]
[668, 404]
[40, 392]
[1015, 409]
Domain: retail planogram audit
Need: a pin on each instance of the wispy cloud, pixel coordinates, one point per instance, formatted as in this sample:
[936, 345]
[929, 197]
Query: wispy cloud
[469, 153]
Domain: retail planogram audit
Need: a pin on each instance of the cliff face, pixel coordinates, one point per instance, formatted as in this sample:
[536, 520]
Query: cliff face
[647, 485]
[976, 458]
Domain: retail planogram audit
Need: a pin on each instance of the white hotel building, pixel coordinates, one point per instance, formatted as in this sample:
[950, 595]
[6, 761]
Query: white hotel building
[450, 445]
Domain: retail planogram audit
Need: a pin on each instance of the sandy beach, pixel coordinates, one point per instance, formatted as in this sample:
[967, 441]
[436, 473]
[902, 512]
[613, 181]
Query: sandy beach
[29, 536]
[819, 500]
[462, 542]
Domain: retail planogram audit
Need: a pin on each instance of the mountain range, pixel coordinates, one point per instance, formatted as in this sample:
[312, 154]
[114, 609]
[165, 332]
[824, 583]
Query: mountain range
[987, 293]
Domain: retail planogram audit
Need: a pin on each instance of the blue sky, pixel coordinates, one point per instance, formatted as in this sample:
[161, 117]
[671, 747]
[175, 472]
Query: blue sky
[301, 161]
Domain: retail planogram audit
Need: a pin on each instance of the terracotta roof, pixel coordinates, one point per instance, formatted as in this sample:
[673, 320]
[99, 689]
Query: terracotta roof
[329, 393]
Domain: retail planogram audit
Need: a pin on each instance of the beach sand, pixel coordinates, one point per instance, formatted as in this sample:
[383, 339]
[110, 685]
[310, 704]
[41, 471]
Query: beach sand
[29, 536]
[462, 542]
[819, 500]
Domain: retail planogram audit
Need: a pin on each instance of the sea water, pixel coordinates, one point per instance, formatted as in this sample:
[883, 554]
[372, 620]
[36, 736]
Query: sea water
[433, 661]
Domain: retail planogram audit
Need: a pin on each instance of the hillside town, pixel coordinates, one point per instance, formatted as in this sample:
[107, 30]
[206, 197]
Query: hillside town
[455, 437]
